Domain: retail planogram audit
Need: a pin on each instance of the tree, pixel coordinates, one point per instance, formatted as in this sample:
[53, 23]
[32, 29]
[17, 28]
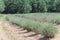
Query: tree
[57, 5]
[34, 5]
[48, 5]
[26, 7]
[22, 6]
[2, 5]
[11, 5]
[43, 5]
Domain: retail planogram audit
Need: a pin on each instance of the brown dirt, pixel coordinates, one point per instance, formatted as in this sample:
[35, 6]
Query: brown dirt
[3, 36]
[21, 34]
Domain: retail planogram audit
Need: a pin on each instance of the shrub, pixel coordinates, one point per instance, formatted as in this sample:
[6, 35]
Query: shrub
[49, 31]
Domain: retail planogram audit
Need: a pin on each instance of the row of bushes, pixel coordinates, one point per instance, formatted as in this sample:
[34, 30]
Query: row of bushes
[46, 29]
[50, 18]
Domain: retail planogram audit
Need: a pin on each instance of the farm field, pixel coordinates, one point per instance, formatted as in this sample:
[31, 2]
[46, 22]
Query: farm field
[29, 19]
[34, 26]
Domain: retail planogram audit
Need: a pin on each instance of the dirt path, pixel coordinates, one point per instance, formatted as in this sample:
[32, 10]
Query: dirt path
[3, 36]
[17, 33]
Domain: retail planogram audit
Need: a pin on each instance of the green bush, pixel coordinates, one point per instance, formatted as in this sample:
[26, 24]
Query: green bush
[49, 31]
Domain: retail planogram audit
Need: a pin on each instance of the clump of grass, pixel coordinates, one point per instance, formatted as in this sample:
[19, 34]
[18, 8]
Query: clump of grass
[4, 18]
[49, 31]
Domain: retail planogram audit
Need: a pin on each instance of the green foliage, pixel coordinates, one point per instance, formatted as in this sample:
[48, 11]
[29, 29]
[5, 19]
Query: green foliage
[49, 30]
[46, 29]
[27, 6]
[2, 6]
[41, 17]
[22, 6]
[12, 5]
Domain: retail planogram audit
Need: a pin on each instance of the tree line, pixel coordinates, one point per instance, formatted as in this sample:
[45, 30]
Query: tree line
[29, 6]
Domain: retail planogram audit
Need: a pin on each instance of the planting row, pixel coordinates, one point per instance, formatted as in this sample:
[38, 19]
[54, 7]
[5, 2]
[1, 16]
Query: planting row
[50, 18]
[45, 29]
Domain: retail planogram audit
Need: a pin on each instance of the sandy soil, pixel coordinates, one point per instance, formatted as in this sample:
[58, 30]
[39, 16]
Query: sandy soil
[3, 36]
[21, 34]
